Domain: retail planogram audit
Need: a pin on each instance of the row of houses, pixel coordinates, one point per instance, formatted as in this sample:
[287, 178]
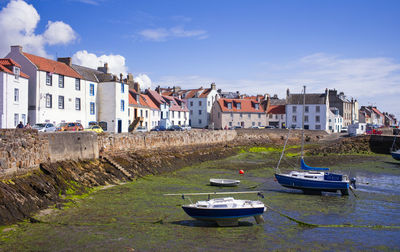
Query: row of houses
[36, 90]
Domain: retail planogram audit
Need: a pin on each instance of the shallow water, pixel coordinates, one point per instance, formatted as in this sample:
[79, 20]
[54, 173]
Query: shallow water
[137, 215]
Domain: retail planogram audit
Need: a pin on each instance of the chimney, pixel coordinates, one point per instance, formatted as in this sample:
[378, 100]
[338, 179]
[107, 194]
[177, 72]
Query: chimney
[121, 77]
[136, 87]
[129, 77]
[16, 49]
[213, 86]
[287, 93]
[103, 69]
[66, 60]
[158, 89]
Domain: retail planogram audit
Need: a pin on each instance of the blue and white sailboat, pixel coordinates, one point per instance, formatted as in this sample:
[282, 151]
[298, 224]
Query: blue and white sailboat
[312, 179]
[395, 153]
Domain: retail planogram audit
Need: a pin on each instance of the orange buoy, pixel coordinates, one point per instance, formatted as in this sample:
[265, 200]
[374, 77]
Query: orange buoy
[241, 172]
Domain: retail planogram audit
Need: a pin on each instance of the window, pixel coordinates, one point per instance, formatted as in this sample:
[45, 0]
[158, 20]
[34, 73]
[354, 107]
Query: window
[77, 84]
[270, 116]
[253, 123]
[141, 113]
[230, 124]
[199, 121]
[173, 114]
[61, 102]
[49, 79]
[294, 118]
[147, 113]
[306, 109]
[259, 123]
[317, 126]
[179, 114]
[77, 103]
[191, 104]
[238, 105]
[61, 81]
[305, 118]
[16, 95]
[23, 118]
[191, 112]
[241, 115]
[249, 115]
[231, 115]
[219, 115]
[294, 109]
[257, 106]
[16, 120]
[16, 72]
[317, 109]
[259, 115]
[91, 89]
[48, 101]
[123, 106]
[92, 109]
[122, 88]
[229, 105]
[199, 103]
[317, 118]
[199, 112]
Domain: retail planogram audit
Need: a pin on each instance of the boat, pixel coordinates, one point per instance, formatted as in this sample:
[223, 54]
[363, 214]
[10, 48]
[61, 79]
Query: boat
[224, 182]
[396, 154]
[313, 179]
[224, 211]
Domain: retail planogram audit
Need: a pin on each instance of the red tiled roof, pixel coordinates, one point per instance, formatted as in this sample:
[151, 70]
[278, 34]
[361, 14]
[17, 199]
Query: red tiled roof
[246, 105]
[4, 63]
[205, 93]
[156, 96]
[175, 106]
[52, 66]
[276, 109]
[149, 102]
[377, 111]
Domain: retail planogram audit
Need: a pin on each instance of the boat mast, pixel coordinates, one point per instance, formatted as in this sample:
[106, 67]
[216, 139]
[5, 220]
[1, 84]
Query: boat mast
[302, 122]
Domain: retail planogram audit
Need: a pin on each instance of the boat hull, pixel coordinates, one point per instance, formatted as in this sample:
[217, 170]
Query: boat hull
[223, 217]
[396, 155]
[307, 185]
[224, 182]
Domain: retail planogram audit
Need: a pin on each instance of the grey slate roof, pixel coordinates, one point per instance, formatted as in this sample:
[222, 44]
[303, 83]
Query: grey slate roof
[310, 99]
[92, 74]
[274, 101]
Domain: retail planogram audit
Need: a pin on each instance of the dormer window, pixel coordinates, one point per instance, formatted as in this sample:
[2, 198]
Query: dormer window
[238, 105]
[229, 105]
[49, 79]
[257, 106]
[138, 98]
[16, 71]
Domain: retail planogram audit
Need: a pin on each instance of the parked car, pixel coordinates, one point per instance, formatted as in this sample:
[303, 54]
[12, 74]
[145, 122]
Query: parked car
[72, 126]
[158, 128]
[61, 126]
[141, 129]
[175, 128]
[44, 127]
[95, 128]
[344, 129]
[186, 127]
[270, 127]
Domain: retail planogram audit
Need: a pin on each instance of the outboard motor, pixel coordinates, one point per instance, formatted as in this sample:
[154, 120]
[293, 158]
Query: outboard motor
[353, 183]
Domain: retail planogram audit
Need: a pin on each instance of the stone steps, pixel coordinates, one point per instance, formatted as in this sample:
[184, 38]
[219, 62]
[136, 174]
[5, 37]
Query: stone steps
[116, 165]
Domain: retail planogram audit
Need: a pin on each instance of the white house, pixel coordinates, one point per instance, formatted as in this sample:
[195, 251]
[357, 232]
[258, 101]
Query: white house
[316, 111]
[163, 105]
[13, 94]
[178, 111]
[335, 120]
[56, 91]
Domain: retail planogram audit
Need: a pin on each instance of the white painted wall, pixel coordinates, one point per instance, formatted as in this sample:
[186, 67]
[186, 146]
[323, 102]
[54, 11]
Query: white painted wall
[311, 114]
[8, 106]
[109, 110]
[195, 104]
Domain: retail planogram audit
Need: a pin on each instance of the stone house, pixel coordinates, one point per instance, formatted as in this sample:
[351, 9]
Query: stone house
[348, 109]
[13, 94]
[56, 93]
[244, 113]
[316, 111]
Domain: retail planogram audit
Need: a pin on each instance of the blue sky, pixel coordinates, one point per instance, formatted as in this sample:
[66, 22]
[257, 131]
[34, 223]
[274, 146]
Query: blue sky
[250, 46]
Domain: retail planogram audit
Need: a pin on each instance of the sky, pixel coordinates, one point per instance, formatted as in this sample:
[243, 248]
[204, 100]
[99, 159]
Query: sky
[252, 46]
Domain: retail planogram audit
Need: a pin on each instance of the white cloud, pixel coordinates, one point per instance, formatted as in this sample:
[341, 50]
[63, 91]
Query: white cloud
[58, 33]
[116, 63]
[144, 81]
[18, 21]
[162, 34]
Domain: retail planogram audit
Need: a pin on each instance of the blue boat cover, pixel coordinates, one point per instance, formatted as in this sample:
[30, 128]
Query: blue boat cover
[309, 168]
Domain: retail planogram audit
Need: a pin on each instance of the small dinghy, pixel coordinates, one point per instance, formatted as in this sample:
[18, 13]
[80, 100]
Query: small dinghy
[224, 211]
[224, 182]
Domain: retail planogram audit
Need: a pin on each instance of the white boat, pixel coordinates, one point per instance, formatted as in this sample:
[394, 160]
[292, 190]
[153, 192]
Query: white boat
[224, 182]
[226, 211]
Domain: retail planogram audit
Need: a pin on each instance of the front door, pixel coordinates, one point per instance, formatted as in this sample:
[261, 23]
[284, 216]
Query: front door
[119, 126]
